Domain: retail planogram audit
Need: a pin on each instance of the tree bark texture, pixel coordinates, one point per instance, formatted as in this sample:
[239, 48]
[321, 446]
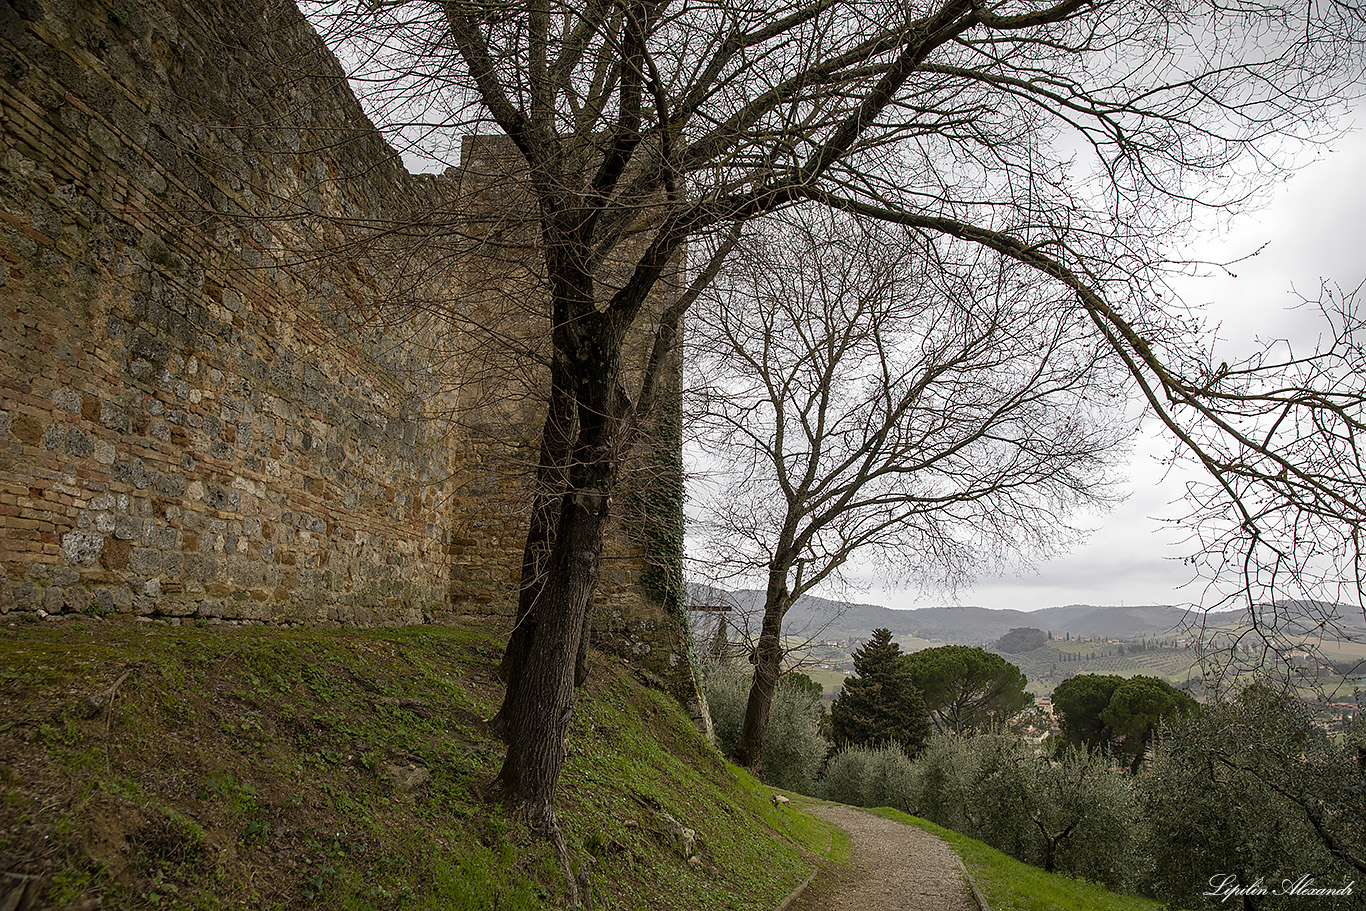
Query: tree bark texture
[557, 437]
[768, 659]
[540, 698]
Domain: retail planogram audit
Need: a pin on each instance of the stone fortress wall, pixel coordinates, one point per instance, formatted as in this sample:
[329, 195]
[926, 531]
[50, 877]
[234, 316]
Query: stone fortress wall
[228, 391]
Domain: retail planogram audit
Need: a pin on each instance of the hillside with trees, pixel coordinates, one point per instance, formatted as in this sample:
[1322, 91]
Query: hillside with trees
[1142, 789]
[1040, 166]
[1172, 644]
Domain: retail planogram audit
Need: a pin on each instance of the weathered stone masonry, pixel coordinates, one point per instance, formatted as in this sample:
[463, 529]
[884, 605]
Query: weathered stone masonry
[200, 414]
[191, 427]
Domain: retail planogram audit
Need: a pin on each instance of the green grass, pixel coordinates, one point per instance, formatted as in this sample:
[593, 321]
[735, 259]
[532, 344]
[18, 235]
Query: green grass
[266, 768]
[831, 681]
[1009, 885]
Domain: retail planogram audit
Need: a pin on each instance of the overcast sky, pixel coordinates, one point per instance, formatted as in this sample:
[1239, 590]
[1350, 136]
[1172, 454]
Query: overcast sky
[1313, 228]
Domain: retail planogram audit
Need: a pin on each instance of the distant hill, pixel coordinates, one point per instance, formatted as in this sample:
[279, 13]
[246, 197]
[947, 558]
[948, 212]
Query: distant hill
[961, 625]
[1302, 618]
[1159, 640]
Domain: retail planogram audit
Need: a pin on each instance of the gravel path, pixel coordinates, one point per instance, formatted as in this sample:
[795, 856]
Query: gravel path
[895, 868]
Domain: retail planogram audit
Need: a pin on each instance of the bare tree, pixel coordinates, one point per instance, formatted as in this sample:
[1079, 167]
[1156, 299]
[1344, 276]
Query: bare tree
[860, 400]
[1073, 137]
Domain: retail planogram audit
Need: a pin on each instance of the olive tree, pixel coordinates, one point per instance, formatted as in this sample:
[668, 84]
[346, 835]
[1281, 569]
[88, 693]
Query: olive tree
[1076, 138]
[799, 745]
[1074, 814]
[1251, 788]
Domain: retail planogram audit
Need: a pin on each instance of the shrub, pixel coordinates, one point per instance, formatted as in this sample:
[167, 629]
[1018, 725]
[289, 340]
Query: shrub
[1074, 815]
[793, 748]
[971, 785]
[1252, 789]
[727, 690]
[869, 777]
[1109, 837]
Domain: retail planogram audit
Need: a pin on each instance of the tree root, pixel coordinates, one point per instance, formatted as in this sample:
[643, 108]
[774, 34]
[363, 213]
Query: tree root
[541, 821]
[556, 837]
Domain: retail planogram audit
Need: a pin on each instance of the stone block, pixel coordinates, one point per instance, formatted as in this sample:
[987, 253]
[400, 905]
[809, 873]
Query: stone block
[79, 444]
[114, 416]
[115, 554]
[144, 561]
[172, 484]
[177, 607]
[127, 528]
[82, 548]
[67, 399]
[27, 429]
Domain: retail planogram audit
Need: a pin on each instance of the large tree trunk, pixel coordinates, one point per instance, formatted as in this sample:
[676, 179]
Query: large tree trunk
[578, 449]
[540, 695]
[557, 440]
[551, 646]
[543, 691]
[768, 658]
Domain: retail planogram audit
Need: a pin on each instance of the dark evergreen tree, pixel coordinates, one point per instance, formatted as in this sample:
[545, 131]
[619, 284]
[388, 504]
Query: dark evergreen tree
[1021, 639]
[1138, 707]
[879, 704]
[1078, 703]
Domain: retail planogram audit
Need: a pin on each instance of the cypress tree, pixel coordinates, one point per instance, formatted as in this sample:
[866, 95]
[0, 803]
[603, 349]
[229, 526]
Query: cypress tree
[879, 704]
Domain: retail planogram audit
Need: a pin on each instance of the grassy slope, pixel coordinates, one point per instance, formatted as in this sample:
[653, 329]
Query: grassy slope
[239, 767]
[1009, 885]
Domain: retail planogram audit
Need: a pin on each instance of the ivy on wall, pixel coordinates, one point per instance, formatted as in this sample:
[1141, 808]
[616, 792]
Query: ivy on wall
[655, 505]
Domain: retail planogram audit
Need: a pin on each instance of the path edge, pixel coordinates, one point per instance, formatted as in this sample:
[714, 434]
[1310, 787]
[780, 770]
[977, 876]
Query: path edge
[797, 892]
[977, 895]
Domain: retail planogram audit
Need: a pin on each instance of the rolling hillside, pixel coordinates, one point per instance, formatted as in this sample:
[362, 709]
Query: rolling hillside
[962, 625]
[1157, 640]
